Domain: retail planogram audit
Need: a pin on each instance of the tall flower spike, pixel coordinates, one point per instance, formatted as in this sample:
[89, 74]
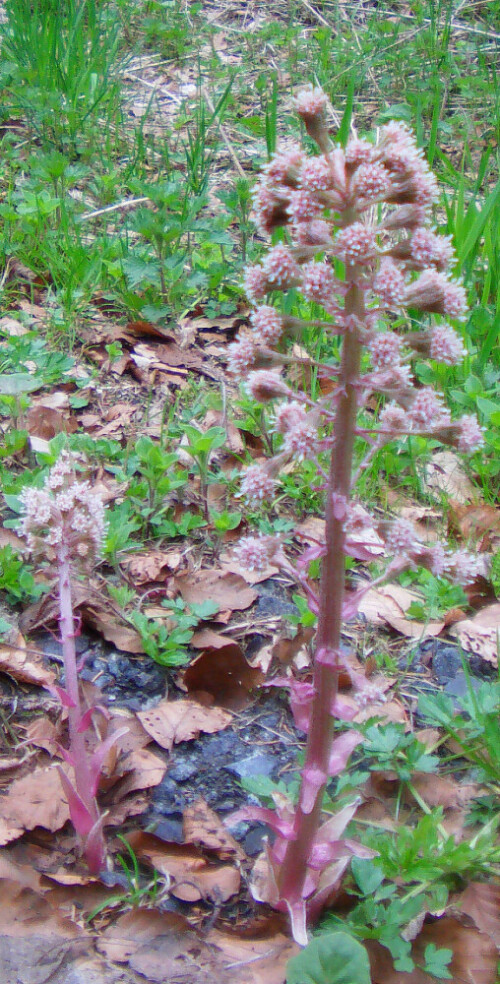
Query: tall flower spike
[397, 263]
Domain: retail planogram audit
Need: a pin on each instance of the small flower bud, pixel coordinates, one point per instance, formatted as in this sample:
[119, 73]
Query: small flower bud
[280, 268]
[355, 243]
[313, 106]
[265, 385]
[257, 484]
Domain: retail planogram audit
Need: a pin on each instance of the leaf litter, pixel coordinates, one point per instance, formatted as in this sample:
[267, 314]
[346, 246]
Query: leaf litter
[161, 946]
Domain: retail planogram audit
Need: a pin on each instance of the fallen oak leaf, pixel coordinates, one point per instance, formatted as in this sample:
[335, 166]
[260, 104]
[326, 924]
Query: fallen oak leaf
[191, 876]
[201, 826]
[480, 634]
[36, 800]
[227, 590]
[388, 604]
[224, 674]
[24, 665]
[180, 720]
[481, 901]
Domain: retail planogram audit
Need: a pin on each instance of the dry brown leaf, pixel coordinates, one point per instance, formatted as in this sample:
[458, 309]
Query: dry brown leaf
[474, 955]
[231, 565]
[481, 634]
[208, 639]
[438, 790]
[228, 590]
[112, 627]
[388, 604]
[8, 831]
[35, 942]
[262, 960]
[142, 769]
[224, 674]
[152, 566]
[180, 720]
[481, 901]
[45, 422]
[23, 665]
[285, 650]
[192, 877]
[478, 524]
[445, 473]
[163, 947]
[36, 800]
[43, 733]
[201, 826]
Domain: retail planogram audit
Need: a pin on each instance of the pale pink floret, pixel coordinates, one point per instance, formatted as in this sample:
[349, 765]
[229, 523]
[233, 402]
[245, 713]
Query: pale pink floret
[257, 485]
[385, 349]
[316, 175]
[371, 182]
[64, 510]
[428, 249]
[405, 217]
[470, 434]
[319, 284]
[311, 103]
[358, 151]
[255, 283]
[60, 472]
[393, 419]
[314, 233]
[445, 345]
[255, 552]
[427, 410]
[455, 299]
[402, 537]
[266, 385]
[267, 325]
[389, 284]
[285, 167]
[289, 415]
[303, 206]
[438, 560]
[425, 185]
[464, 566]
[355, 243]
[432, 291]
[38, 507]
[280, 268]
[302, 440]
[241, 356]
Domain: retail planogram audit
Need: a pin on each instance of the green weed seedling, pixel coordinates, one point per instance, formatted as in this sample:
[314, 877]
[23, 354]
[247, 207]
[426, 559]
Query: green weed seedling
[137, 894]
[16, 578]
[151, 493]
[438, 595]
[200, 446]
[474, 727]
[167, 643]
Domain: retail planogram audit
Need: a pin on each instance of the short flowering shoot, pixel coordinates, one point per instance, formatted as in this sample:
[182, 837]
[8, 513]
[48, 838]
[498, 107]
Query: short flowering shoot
[64, 524]
[362, 274]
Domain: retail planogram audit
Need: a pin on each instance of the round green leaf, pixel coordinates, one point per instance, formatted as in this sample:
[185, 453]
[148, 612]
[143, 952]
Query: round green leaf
[335, 958]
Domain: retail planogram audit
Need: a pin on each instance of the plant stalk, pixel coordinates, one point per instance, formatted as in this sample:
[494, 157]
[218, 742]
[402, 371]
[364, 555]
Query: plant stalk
[321, 730]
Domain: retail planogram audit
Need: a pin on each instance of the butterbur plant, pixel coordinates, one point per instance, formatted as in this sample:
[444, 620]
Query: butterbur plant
[64, 524]
[364, 210]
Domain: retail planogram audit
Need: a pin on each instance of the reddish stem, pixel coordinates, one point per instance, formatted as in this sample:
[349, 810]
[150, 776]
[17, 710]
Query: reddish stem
[77, 745]
[294, 868]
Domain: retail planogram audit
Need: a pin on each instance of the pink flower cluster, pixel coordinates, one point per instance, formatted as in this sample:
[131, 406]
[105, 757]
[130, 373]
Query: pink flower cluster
[65, 511]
